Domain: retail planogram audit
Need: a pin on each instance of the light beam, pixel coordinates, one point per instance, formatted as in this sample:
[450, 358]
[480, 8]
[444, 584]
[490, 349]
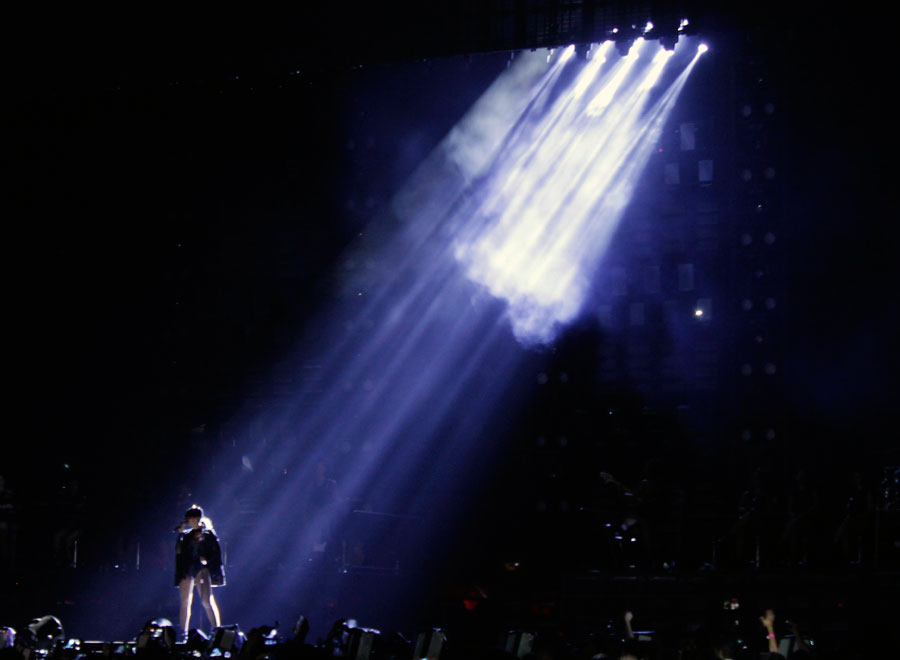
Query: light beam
[502, 227]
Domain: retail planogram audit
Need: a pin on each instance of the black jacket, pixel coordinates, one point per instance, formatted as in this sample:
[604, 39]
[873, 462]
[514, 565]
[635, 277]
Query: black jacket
[190, 547]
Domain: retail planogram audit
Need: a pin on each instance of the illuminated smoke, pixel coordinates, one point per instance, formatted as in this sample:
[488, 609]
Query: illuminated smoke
[551, 204]
[502, 226]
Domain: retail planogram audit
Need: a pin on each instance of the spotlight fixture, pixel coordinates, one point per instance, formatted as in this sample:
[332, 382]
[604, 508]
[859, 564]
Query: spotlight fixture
[623, 46]
[702, 48]
[684, 23]
[669, 41]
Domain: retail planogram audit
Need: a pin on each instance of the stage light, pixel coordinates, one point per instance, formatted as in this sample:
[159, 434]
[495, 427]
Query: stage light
[703, 309]
[702, 48]
[659, 62]
[669, 41]
[648, 27]
[624, 46]
[498, 237]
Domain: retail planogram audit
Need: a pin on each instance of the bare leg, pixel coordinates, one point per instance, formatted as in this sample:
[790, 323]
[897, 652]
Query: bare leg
[186, 596]
[204, 588]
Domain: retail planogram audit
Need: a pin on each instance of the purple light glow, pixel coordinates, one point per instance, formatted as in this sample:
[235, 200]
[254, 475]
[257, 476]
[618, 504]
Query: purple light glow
[505, 222]
[552, 203]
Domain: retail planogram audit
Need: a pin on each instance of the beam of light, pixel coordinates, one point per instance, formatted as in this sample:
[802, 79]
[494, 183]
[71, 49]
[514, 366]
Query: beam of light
[504, 222]
[548, 219]
[586, 77]
[567, 54]
[659, 63]
[603, 98]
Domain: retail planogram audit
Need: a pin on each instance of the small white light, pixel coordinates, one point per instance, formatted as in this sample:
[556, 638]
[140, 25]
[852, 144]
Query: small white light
[648, 27]
[702, 48]
[698, 312]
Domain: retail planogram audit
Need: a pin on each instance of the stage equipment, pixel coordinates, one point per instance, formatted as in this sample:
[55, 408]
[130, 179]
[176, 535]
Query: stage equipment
[669, 41]
[623, 46]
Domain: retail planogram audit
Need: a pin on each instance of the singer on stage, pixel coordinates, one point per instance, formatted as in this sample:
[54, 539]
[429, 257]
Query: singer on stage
[198, 563]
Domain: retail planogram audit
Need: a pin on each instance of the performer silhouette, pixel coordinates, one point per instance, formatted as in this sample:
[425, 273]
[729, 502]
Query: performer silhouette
[198, 563]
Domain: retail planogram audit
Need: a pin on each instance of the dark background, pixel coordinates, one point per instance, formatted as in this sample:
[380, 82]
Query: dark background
[183, 186]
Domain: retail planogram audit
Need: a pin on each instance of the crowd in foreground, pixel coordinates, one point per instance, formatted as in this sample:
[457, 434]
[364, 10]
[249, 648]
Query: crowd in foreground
[44, 639]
